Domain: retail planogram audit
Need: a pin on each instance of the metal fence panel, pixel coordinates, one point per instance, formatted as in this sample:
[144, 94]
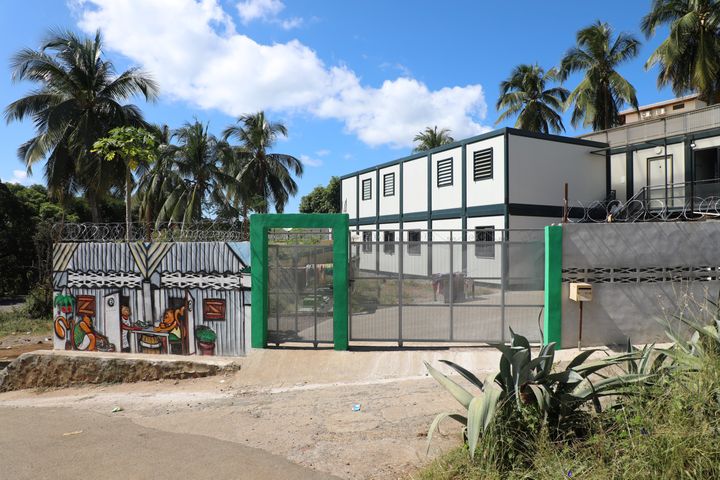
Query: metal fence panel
[300, 295]
[449, 288]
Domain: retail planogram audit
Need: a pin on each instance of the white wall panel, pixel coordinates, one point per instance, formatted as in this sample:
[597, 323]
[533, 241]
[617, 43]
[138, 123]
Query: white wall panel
[349, 196]
[539, 168]
[390, 205]
[415, 185]
[448, 196]
[489, 191]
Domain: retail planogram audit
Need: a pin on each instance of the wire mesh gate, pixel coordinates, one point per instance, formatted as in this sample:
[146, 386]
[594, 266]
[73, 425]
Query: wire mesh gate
[300, 293]
[446, 286]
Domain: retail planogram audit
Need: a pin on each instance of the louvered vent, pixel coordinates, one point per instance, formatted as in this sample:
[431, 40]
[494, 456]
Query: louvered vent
[444, 172]
[483, 164]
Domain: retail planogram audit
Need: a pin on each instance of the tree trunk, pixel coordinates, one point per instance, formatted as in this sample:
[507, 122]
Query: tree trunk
[92, 202]
[128, 188]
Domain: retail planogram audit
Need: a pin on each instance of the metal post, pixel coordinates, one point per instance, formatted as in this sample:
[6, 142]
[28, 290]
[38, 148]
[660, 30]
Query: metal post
[295, 292]
[315, 299]
[400, 289]
[277, 287]
[451, 288]
[503, 280]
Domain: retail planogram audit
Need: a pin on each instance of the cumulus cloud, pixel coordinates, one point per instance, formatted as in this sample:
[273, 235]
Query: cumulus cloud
[202, 59]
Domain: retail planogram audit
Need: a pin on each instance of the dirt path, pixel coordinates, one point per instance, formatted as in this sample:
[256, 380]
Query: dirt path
[310, 425]
[67, 444]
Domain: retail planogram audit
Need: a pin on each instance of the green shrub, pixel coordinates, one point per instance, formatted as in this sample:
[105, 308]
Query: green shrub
[205, 334]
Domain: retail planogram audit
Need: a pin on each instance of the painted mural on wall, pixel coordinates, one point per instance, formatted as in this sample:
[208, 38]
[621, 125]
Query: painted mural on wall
[154, 298]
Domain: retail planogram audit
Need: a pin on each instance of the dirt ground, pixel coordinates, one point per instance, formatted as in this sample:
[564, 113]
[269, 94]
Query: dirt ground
[12, 346]
[313, 425]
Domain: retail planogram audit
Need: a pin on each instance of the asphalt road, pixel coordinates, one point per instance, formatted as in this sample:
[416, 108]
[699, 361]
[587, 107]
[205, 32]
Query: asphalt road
[50, 443]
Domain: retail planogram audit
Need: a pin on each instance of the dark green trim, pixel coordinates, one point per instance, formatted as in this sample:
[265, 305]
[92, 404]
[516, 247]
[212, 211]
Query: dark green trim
[689, 171]
[463, 204]
[629, 175]
[553, 211]
[446, 213]
[385, 175]
[402, 193]
[429, 211]
[506, 180]
[392, 218]
[357, 195]
[377, 191]
[608, 175]
[487, 210]
[259, 227]
[452, 172]
[414, 217]
[553, 285]
[555, 138]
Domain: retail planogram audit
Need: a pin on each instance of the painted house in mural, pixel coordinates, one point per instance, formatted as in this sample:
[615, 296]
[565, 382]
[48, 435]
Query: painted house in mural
[158, 298]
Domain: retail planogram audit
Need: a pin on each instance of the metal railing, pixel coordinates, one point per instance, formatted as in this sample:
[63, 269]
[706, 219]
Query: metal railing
[668, 126]
[210, 231]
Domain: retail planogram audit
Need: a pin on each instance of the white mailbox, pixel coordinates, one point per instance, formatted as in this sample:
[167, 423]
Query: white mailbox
[580, 291]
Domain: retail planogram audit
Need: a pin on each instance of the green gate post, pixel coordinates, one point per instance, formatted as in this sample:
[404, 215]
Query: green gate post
[553, 285]
[259, 227]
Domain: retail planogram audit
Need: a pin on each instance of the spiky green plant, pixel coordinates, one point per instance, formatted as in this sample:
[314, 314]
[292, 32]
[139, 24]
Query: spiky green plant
[525, 382]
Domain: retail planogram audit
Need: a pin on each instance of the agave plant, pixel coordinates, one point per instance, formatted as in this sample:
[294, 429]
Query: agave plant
[526, 382]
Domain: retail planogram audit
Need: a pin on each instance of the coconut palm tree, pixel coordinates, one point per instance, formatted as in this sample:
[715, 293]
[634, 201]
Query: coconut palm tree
[432, 138]
[524, 94]
[79, 99]
[263, 178]
[689, 58]
[195, 173]
[603, 91]
[158, 182]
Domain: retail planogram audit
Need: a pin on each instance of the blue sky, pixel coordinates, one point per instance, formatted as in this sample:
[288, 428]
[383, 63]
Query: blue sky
[353, 81]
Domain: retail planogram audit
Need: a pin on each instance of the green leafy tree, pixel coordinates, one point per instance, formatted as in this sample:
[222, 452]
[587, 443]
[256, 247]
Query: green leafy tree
[159, 181]
[603, 91]
[264, 178]
[323, 199]
[689, 58]
[432, 138]
[135, 149]
[78, 100]
[524, 94]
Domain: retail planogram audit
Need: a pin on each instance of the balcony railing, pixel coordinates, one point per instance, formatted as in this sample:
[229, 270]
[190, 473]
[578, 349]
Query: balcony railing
[668, 126]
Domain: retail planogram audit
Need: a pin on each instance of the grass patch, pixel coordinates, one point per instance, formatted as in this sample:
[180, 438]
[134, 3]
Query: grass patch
[17, 321]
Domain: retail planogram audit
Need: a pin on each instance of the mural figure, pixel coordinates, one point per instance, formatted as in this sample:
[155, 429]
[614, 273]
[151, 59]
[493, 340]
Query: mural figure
[126, 326]
[86, 338]
[64, 312]
[174, 324]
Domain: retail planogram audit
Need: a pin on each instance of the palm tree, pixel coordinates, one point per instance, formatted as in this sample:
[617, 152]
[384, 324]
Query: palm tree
[524, 94]
[79, 99]
[689, 58]
[432, 138]
[603, 91]
[263, 178]
[195, 174]
[158, 182]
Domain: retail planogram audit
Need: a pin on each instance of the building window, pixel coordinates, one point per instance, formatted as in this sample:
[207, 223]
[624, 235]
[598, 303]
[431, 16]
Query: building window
[367, 189]
[445, 172]
[679, 106]
[367, 242]
[389, 184]
[389, 243]
[413, 247]
[485, 242]
[483, 164]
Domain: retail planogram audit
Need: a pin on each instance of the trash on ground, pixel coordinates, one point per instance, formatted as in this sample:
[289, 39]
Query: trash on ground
[117, 409]
[76, 432]
[356, 407]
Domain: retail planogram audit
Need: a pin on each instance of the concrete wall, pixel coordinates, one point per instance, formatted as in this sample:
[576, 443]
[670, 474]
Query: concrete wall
[641, 273]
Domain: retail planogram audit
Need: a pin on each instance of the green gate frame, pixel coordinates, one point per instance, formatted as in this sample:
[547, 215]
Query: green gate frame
[259, 226]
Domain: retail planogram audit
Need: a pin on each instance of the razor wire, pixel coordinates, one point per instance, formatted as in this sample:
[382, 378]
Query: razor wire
[652, 210]
[211, 231]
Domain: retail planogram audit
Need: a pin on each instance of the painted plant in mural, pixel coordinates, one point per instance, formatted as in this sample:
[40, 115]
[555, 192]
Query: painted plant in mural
[142, 297]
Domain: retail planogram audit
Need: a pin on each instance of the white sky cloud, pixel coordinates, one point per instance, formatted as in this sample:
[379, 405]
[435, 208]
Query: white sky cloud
[200, 58]
[19, 176]
[250, 10]
[309, 161]
[323, 152]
